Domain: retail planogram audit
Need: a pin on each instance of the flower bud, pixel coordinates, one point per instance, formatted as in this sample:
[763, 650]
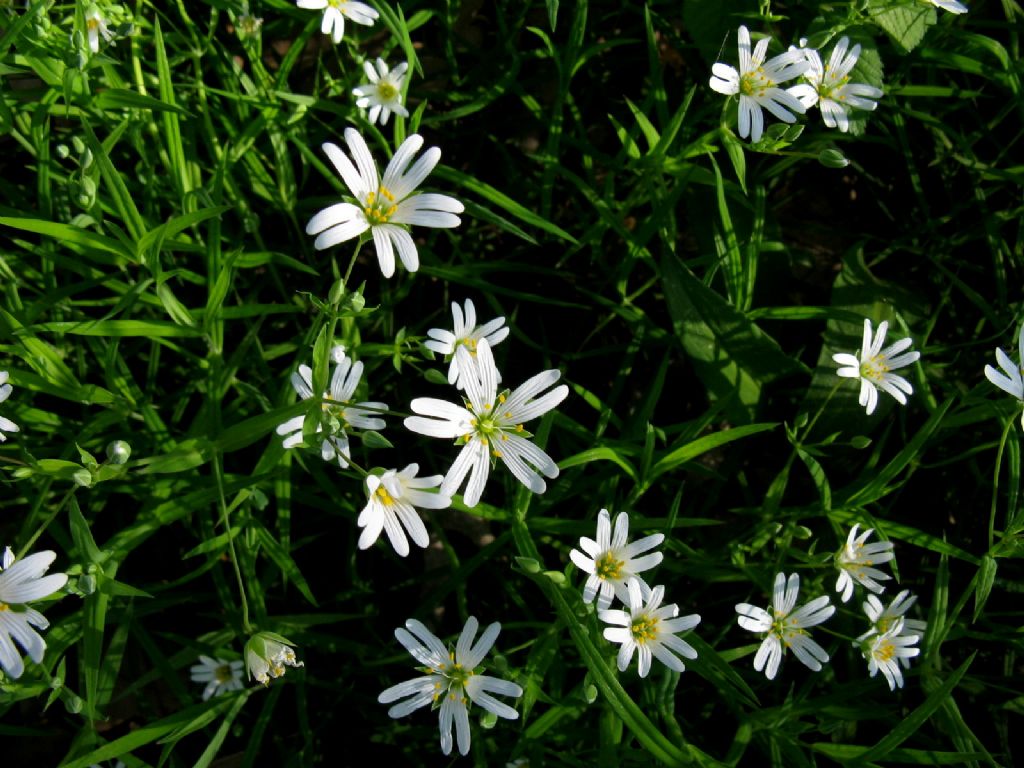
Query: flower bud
[118, 452]
[267, 654]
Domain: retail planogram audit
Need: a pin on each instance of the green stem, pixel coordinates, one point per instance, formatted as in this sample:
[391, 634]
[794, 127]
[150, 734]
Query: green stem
[219, 474]
[995, 483]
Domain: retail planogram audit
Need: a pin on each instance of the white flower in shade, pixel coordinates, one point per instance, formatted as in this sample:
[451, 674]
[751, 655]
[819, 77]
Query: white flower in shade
[611, 562]
[383, 94]
[22, 581]
[757, 82]
[95, 28]
[490, 424]
[1012, 383]
[335, 13]
[266, 656]
[855, 560]
[949, 5]
[386, 207]
[890, 649]
[339, 413]
[466, 334]
[451, 679]
[391, 507]
[830, 88]
[875, 367]
[649, 629]
[217, 675]
[6, 425]
[785, 627]
[884, 617]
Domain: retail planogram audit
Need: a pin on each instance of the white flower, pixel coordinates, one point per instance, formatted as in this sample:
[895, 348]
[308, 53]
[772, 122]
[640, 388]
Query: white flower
[490, 424]
[6, 425]
[854, 563]
[335, 13]
[466, 334]
[339, 412]
[785, 627]
[757, 81]
[217, 675]
[1012, 383]
[386, 207]
[884, 618]
[875, 365]
[451, 678]
[391, 506]
[890, 649]
[612, 563]
[96, 27]
[649, 629]
[830, 88]
[949, 5]
[266, 656]
[21, 582]
[383, 94]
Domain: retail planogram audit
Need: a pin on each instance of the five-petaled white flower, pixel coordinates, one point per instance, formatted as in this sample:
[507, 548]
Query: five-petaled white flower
[855, 560]
[611, 563]
[949, 5]
[785, 627]
[890, 649]
[391, 505]
[450, 678]
[217, 675]
[95, 28]
[650, 629]
[335, 13]
[884, 617]
[830, 88]
[1012, 383]
[6, 425]
[465, 334]
[383, 94]
[490, 424]
[875, 365]
[757, 82]
[266, 656]
[22, 581]
[339, 413]
[386, 207]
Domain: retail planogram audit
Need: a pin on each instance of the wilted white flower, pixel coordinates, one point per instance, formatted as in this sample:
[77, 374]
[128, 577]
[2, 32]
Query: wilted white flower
[451, 679]
[1012, 383]
[22, 581]
[890, 649]
[785, 627]
[875, 365]
[949, 5]
[386, 207]
[391, 505]
[757, 82]
[650, 630]
[267, 654]
[6, 425]
[830, 88]
[217, 675]
[611, 562]
[490, 425]
[854, 563]
[884, 617]
[335, 13]
[383, 94]
[96, 27]
[465, 334]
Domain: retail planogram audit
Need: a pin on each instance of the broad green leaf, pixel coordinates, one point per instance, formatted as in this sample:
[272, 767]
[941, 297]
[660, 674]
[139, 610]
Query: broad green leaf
[905, 21]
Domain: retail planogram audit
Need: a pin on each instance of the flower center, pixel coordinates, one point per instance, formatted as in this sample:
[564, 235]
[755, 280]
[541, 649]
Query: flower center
[883, 624]
[387, 91]
[223, 673]
[384, 496]
[644, 629]
[469, 344]
[380, 206]
[336, 3]
[491, 425]
[755, 82]
[608, 567]
[832, 87]
[885, 652]
[3, 607]
[875, 368]
[454, 678]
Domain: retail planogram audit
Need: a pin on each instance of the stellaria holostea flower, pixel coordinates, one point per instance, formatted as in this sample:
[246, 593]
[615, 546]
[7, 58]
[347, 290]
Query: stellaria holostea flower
[875, 367]
[267, 654]
[219, 676]
[785, 627]
[391, 505]
[884, 617]
[96, 27]
[451, 682]
[383, 94]
[649, 629]
[756, 82]
[6, 425]
[335, 13]
[1012, 383]
[830, 88]
[466, 334]
[855, 560]
[890, 649]
[22, 581]
[387, 207]
[611, 562]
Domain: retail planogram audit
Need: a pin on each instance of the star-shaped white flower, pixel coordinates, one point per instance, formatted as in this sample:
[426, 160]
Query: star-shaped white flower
[875, 365]
[890, 649]
[884, 617]
[391, 505]
[219, 676]
[1010, 380]
[339, 413]
[95, 28]
[6, 425]
[465, 334]
[611, 563]
[757, 82]
[649, 629]
[785, 627]
[22, 581]
[385, 207]
[490, 424]
[855, 560]
[451, 682]
[949, 5]
[335, 13]
[383, 94]
[830, 88]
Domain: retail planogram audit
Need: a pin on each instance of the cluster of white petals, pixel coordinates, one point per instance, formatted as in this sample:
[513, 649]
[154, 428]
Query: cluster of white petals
[465, 333]
[6, 425]
[1010, 380]
[875, 367]
[610, 563]
[217, 675]
[335, 13]
[383, 94]
[855, 562]
[266, 656]
[888, 650]
[828, 86]
[392, 499]
[96, 28]
[21, 582]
